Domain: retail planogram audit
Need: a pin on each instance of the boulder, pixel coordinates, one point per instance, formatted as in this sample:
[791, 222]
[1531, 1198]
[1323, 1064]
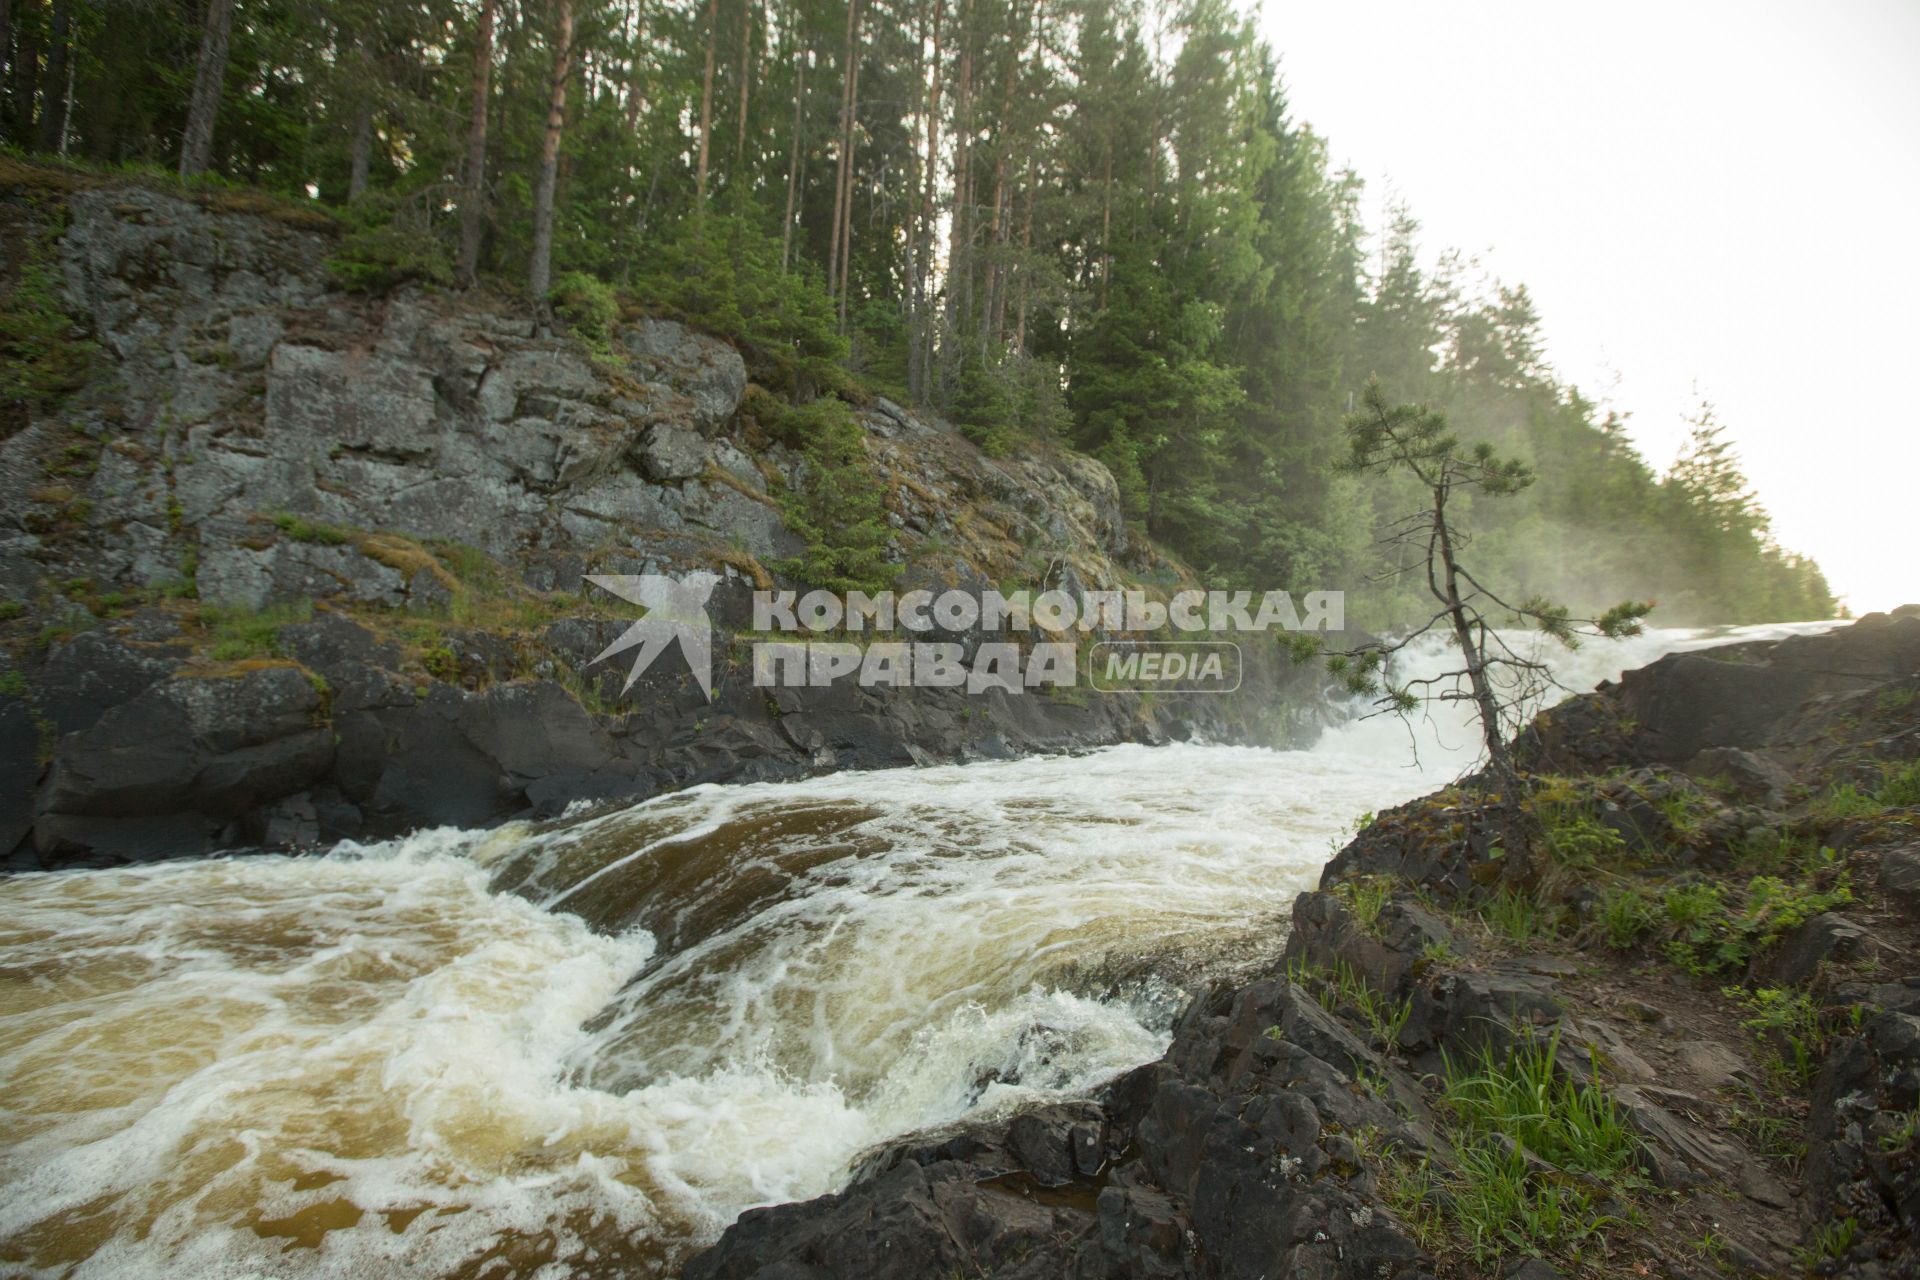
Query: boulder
[1478, 1007]
[205, 746]
[1858, 1164]
[19, 771]
[669, 454]
[1900, 877]
[1755, 774]
[1389, 954]
[705, 370]
[1827, 938]
[96, 671]
[1678, 1152]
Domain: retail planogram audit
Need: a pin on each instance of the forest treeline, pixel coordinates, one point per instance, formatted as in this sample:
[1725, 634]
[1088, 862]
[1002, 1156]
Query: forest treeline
[1092, 222]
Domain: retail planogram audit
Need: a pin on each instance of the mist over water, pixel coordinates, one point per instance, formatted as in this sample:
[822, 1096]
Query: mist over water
[583, 1048]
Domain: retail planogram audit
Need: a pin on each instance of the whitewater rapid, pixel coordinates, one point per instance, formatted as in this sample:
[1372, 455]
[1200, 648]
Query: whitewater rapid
[581, 1049]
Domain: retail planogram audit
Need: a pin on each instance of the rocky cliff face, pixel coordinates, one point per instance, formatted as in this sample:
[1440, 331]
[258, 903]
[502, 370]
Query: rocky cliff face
[294, 564]
[1686, 1045]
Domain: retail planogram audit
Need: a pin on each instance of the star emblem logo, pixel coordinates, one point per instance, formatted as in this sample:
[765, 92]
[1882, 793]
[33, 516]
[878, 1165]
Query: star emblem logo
[676, 610]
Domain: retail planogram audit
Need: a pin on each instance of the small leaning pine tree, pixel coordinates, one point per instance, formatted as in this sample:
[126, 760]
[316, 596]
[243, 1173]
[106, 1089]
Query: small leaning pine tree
[1501, 683]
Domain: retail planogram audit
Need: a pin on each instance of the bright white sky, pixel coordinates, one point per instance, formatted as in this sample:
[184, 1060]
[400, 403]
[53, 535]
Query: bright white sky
[1696, 191]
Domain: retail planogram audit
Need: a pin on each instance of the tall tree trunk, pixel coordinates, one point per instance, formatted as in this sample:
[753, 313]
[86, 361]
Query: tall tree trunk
[1106, 221]
[196, 148]
[843, 162]
[706, 118]
[540, 272]
[473, 202]
[846, 223]
[23, 77]
[793, 152]
[6, 57]
[930, 177]
[1026, 258]
[746, 55]
[910, 309]
[992, 283]
[631, 104]
[959, 230]
[361, 155]
[53, 97]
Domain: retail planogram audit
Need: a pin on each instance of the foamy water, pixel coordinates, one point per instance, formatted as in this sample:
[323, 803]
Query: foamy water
[582, 1049]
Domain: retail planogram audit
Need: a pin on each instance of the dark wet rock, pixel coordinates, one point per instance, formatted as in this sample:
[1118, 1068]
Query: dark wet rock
[1900, 876]
[96, 671]
[19, 771]
[1237, 1162]
[202, 748]
[1863, 1158]
[1234, 1153]
[1677, 1152]
[1530, 1269]
[1826, 939]
[1478, 1008]
[1748, 697]
[1392, 952]
[1444, 846]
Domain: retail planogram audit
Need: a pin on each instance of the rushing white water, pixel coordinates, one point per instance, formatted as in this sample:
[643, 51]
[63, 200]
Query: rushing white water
[580, 1049]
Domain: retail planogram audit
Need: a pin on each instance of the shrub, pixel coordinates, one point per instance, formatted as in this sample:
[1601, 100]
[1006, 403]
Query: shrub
[43, 355]
[1625, 914]
[441, 663]
[588, 306]
[390, 242]
[1709, 934]
[1572, 834]
[1576, 838]
[838, 509]
[725, 274]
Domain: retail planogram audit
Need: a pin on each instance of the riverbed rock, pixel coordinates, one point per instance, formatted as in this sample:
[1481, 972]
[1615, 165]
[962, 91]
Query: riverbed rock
[1391, 951]
[202, 748]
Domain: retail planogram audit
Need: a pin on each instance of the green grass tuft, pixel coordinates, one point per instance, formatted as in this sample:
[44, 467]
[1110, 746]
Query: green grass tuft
[240, 632]
[1516, 917]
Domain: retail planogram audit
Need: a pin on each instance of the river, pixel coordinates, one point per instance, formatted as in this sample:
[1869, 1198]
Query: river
[580, 1049]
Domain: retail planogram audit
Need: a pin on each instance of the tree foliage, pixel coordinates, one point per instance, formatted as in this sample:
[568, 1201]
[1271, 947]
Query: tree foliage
[1091, 220]
[1498, 681]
